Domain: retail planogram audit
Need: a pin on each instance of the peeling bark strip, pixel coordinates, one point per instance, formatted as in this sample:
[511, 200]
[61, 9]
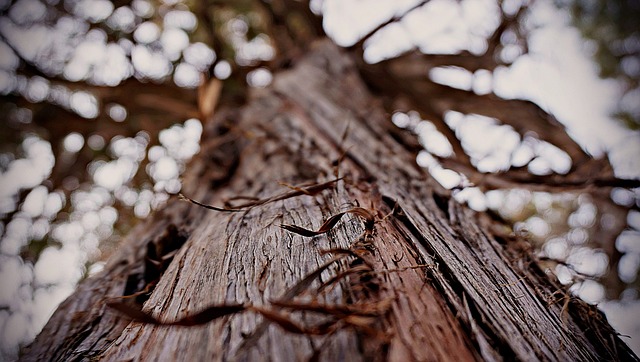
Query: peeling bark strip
[426, 283]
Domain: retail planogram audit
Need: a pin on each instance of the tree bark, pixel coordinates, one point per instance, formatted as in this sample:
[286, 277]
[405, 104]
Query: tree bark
[436, 283]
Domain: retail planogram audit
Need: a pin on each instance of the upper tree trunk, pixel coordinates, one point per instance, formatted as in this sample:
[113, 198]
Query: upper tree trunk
[469, 300]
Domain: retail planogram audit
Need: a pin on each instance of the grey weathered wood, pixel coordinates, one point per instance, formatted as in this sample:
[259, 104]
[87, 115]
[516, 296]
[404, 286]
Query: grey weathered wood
[471, 301]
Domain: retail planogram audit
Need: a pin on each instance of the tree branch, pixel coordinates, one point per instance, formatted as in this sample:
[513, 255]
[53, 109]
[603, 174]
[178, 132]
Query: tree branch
[521, 179]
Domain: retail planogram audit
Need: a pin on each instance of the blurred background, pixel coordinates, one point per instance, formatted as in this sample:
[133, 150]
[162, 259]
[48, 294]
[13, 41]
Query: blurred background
[99, 116]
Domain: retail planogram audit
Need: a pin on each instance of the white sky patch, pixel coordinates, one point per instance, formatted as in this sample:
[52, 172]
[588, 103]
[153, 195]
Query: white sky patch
[481, 17]
[27, 41]
[455, 77]
[90, 220]
[590, 291]
[537, 226]
[447, 178]
[129, 147]
[492, 151]
[73, 142]
[436, 17]
[628, 267]
[27, 172]
[37, 89]
[347, 21]
[122, 19]
[147, 32]
[33, 204]
[156, 152]
[10, 270]
[563, 79]
[8, 59]
[45, 301]
[186, 76]
[174, 41]
[558, 160]
[113, 67]
[164, 169]
[556, 248]
[257, 48]
[624, 156]
[93, 10]
[633, 219]
[54, 203]
[588, 261]
[49, 269]
[142, 8]
[393, 39]
[150, 64]
[473, 197]
[115, 173]
[117, 112]
[182, 142]
[27, 11]
[432, 140]
[222, 70]
[68, 233]
[259, 78]
[177, 144]
[180, 19]
[15, 330]
[16, 236]
[84, 104]
[86, 54]
[618, 314]
[199, 55]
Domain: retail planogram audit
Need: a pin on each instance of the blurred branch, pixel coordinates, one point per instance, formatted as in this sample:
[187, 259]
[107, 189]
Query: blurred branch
[571, 267]
[315, 21]
[524, 116]
[182, 101]
[359, 45]
[521, 178]
[292, 26]
[381, 80]
[464, 59]
[406, 76]
[202, 11]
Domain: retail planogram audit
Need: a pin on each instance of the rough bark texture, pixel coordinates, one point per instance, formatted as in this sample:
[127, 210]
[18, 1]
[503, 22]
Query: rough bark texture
[444, 287]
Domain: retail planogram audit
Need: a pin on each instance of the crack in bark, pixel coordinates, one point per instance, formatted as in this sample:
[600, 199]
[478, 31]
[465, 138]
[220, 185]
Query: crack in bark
[445, 280]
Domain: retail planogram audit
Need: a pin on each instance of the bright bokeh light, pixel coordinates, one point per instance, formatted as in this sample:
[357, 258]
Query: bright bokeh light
[199, 55]
[186, 76]
[259, 78]
[222, 70]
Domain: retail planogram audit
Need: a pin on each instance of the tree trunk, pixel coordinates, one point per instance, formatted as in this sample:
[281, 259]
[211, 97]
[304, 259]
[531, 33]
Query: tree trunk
[426, 281]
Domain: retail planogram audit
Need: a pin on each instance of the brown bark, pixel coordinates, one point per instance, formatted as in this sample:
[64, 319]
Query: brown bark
[443, 287]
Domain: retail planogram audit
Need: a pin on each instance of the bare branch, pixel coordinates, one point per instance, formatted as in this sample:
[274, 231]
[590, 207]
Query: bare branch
[522, 179]
[359, 46]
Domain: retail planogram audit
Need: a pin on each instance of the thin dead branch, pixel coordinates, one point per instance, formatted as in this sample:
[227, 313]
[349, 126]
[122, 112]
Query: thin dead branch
[332, 221]
[308, 190]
